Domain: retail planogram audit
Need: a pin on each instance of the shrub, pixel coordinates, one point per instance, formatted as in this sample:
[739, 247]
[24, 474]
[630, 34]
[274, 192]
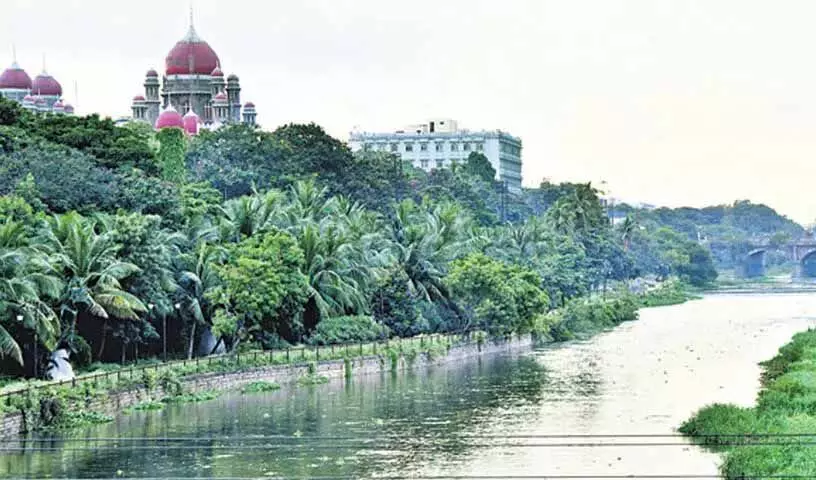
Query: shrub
[349, 329]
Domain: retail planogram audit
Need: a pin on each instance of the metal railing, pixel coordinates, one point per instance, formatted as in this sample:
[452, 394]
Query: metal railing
[299, 355]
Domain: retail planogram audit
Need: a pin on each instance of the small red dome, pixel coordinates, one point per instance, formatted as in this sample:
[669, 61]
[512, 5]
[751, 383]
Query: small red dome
[217, 72]
[45, 84]
[28, 98]
[249, 105]
[190, 121]
[169, 118]
[191, 54]
[139, 98]
[58, 104]
[221, 97]
[152, 73]
[69, 108]
[15, 77]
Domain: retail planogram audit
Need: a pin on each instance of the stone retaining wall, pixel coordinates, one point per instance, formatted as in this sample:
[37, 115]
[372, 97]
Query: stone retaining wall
[11, 425]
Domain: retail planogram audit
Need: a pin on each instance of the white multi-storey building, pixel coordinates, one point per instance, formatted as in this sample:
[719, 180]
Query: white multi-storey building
[440, 143]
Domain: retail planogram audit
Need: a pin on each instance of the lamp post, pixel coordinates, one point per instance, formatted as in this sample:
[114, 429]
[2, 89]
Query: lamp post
[178, 310]
[20, 320]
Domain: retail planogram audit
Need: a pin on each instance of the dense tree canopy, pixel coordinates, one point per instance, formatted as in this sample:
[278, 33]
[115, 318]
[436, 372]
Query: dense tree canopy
[117, 236]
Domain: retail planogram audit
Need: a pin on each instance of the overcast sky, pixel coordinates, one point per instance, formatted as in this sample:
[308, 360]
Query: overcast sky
[670, 102]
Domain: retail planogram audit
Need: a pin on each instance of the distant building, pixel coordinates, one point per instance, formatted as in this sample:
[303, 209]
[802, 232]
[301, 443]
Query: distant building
[440, 143]
[192, 84]
[43, 94]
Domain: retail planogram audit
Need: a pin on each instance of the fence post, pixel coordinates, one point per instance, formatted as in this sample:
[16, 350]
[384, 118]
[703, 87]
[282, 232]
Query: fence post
[362, 352]
[287, 354]
[317, 353]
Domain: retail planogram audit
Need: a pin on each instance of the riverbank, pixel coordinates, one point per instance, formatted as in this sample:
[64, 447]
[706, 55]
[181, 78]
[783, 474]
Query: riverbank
[773, 438]
[49, 405]
[66, 406]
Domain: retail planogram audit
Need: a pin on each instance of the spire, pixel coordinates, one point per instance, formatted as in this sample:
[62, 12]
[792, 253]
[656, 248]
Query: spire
[192, 36]
[45, 71]
[14, 63]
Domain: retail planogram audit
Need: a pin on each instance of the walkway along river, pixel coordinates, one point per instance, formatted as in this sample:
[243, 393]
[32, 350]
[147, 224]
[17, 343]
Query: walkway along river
[466, 419]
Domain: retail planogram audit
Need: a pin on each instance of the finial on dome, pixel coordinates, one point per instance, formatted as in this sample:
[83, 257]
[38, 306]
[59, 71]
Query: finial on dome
[14, 56]
[192, 36]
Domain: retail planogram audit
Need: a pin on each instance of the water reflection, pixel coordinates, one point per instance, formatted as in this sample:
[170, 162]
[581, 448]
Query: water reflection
[643, 377]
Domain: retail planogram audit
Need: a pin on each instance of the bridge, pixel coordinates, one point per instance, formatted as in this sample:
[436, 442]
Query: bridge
[801, 252]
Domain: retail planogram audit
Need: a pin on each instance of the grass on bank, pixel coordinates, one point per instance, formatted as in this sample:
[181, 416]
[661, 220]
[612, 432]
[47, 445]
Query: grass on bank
[786, 407]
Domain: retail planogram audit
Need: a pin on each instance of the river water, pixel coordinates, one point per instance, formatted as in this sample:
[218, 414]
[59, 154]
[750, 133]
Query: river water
[487, 417]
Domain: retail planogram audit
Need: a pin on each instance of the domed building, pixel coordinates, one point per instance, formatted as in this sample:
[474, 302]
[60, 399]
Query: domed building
[43, 94]
[193, 82]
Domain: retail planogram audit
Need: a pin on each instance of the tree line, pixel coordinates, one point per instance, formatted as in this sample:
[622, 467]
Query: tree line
[118, 243]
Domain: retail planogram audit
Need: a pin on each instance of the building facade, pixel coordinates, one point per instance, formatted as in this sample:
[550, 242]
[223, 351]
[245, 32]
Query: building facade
[192, 83]
[43, 94]
[440, 143]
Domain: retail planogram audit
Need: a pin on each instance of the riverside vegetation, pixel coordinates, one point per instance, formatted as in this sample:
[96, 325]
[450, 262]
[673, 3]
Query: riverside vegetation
[785, 414]
[121, 245]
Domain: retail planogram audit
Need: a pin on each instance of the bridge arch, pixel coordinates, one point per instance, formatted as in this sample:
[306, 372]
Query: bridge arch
[754, 263]
[807, 263]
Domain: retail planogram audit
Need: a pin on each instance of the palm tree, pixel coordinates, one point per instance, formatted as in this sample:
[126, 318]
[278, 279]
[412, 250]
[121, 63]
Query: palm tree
[425, 242]
[25, 286]
[195, 277]
[91, 271]
[245, 216]
[627, 229]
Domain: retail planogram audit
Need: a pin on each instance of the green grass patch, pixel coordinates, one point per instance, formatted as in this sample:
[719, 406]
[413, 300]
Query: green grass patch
[196, 397]
[786, 410]
[260, 387]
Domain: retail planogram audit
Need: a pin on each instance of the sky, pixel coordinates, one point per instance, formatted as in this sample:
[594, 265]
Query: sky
[676, 103]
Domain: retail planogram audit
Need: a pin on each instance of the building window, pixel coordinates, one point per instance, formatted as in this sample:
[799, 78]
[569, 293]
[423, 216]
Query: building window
[424, 163]
[423, 147]
[409, 147]
[366, 147]
[480, 146]
[440, 163]
[466, 146]
[438, 146]
[454, 147]
[394, 147]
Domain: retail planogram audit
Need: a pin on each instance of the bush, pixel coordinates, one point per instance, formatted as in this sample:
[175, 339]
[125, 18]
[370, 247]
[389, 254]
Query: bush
[350, 329]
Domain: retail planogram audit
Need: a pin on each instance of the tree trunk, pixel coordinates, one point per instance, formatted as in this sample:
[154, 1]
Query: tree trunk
[124, 352]
[104, 338]
[192, 341]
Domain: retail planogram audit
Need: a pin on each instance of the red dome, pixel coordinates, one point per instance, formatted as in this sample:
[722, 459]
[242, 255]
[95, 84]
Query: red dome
[138, 98]
[58, 104]
[69, 108]
[191, 51]
[190, 121]
[221, 97]
[152, 73]
[217, 72]
[45, 84]
[169, 118]
[15, 77]
[249, 105]
[28, 98]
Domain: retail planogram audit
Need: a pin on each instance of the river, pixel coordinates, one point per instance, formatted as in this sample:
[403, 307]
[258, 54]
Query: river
[487, 417]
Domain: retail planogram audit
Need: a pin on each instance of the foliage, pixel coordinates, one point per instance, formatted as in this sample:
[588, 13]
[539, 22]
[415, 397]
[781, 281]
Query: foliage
[501, 298]
[349, 329]
[259, 280]
[171, 154]
[479, 166]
